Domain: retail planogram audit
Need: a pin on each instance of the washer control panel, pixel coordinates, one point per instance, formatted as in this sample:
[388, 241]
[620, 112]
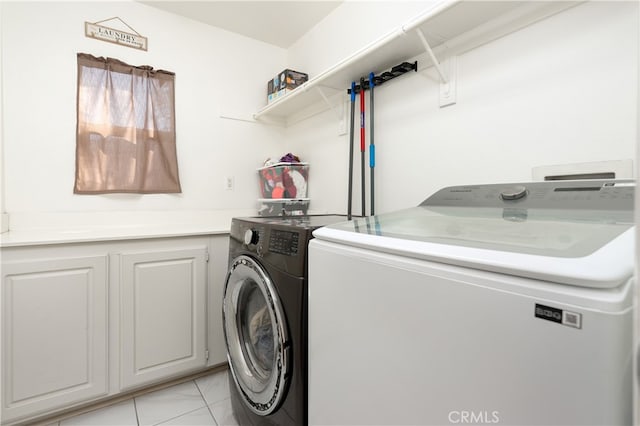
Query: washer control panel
[587, 194]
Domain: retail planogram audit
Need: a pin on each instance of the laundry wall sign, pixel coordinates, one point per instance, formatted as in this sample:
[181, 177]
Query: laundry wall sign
[113, 35]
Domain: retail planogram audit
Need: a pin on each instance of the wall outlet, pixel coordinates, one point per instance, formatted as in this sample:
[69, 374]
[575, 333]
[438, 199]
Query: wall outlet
[228, 183]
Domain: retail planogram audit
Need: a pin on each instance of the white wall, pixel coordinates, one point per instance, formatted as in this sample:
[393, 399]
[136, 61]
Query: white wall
[560, 91]
[552, 93]
[216, 72]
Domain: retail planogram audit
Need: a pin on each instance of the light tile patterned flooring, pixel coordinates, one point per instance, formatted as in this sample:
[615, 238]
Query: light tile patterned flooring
[203, 401]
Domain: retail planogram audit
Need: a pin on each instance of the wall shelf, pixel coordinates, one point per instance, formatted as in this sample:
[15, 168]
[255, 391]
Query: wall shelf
[451, 27]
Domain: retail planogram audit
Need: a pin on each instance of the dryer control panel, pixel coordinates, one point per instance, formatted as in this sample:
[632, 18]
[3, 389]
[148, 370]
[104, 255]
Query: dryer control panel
[284, 242]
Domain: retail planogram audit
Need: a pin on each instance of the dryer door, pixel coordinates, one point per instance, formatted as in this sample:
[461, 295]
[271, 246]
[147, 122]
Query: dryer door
[256, 335]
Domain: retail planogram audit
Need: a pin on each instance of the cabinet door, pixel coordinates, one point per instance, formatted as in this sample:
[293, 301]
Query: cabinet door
[54, 340]
[163, 314]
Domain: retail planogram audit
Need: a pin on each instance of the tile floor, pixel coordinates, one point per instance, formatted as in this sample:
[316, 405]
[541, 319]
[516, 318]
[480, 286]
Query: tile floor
[203, 401]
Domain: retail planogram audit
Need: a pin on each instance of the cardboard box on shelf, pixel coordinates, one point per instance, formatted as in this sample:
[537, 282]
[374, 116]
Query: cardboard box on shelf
[283, 83]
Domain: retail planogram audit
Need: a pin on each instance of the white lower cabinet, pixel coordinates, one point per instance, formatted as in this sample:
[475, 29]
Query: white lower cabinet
[54, 333]
[81, 322]
[163, 314]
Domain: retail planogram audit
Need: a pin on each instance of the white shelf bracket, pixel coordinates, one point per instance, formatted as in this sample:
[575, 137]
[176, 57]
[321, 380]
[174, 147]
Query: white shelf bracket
[339, 111]
[326, 100]
[448, 80]
[435, 61]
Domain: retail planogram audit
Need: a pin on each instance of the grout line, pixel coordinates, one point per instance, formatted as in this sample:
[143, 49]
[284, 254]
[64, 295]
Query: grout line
[203, 403]
[181, 415]
[135, 408]
[206, 403]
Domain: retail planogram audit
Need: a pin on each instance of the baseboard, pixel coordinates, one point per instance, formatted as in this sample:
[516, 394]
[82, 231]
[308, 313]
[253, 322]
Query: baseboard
[114, 399]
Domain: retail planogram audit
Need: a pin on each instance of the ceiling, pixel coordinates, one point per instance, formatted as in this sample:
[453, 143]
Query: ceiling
[280, 23]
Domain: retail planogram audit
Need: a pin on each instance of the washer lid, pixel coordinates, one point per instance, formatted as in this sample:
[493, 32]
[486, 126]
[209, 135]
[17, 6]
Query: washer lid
[571, 232]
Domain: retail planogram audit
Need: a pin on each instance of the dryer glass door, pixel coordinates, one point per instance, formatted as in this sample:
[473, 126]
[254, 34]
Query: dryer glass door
[256, 335]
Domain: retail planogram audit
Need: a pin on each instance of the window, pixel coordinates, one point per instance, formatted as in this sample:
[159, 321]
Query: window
[126, 139]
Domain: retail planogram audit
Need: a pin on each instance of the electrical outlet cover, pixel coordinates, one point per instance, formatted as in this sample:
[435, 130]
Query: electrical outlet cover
[228, 183]
[448, 90]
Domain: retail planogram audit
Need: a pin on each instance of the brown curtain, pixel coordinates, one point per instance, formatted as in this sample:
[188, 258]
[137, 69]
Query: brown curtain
[126, 138]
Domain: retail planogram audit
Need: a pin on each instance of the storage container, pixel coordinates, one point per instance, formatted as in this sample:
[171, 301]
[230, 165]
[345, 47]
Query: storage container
[283, 207]
[284, 180]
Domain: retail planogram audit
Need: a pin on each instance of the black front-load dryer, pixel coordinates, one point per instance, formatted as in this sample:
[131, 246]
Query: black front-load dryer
[265, 317]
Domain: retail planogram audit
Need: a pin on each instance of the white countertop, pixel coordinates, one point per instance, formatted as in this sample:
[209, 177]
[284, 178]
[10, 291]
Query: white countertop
[28, 229]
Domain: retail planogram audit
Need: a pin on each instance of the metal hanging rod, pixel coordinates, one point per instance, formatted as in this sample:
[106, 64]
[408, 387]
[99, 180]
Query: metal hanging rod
[396, 71]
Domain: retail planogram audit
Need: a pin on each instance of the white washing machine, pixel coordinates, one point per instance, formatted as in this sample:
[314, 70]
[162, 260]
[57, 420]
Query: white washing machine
[487, 304]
